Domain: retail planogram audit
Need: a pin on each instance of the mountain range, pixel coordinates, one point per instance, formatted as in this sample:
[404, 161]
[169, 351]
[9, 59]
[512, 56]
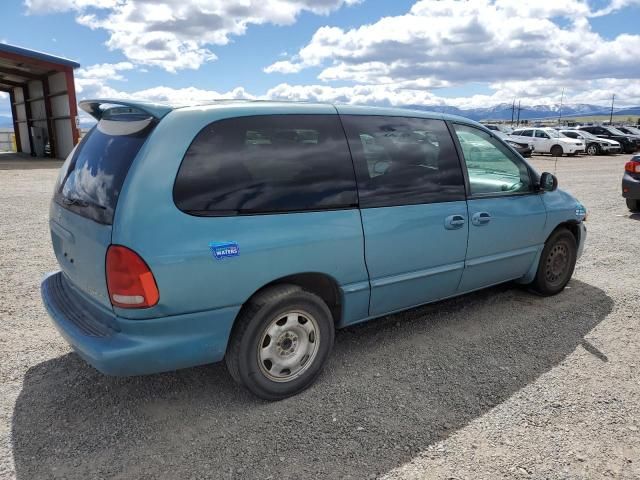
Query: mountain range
[503, 111]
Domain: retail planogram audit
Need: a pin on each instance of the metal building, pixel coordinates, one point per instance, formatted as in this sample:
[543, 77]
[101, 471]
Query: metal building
[43, 100]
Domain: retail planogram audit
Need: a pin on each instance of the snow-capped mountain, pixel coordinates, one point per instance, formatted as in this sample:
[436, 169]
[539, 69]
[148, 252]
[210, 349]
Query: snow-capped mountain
[502, 111]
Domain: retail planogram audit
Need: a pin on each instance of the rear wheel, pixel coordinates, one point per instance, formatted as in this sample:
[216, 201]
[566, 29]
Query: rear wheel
[557, 263]
[556, 151]
[281, 340]
[633, 205]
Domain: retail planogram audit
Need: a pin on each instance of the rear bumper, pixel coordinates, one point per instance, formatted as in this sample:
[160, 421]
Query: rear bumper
[630, 187]
[117, 346]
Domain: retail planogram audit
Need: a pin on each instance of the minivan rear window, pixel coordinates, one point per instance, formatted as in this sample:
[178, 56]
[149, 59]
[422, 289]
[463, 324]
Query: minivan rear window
[91, 182]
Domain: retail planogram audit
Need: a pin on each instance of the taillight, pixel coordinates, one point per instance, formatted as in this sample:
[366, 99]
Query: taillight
[633, 166]
[129, 279]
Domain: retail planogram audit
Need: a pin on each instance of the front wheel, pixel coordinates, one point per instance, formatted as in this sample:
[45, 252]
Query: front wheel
[556, 151]
[633, 205]
[280, 342]
[557, 262]
[593, 149]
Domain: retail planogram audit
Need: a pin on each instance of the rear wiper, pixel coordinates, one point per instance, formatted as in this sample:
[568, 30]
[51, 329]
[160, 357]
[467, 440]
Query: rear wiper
[82, 203]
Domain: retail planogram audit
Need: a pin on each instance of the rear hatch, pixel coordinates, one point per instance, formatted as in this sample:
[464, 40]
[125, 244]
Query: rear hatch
[86, 195]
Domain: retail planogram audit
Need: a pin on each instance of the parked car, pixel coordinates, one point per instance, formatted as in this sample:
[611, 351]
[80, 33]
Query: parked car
[501, 130]
[524, 149]
[627, 142]
[633, 131]
[595, 145]
[631, 184]
[549, 140]
[249, 231]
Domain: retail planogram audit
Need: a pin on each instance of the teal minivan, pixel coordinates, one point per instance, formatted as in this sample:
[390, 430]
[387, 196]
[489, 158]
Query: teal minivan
[251, 231]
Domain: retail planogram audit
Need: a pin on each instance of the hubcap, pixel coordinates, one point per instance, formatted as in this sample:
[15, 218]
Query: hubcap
[288, 346]
[557, 263]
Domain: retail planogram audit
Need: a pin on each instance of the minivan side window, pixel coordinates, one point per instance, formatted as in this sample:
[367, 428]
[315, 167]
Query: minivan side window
[267, 164]
[403, 160]
[492, 167]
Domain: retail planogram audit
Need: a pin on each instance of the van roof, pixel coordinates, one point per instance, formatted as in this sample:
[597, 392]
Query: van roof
[97, 107]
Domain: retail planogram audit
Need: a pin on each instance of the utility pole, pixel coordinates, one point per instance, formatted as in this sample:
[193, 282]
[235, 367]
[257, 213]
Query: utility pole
[561, 100]
[611, 114]
[518, 122]
[513, 108]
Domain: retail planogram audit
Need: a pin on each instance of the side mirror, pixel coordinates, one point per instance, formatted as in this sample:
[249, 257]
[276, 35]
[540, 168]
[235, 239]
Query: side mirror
[548, 182]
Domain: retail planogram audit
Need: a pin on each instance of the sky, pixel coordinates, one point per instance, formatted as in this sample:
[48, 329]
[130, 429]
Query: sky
[468, 54]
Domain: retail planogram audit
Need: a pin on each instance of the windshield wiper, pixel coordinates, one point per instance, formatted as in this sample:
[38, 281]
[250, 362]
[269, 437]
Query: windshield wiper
[82, 203]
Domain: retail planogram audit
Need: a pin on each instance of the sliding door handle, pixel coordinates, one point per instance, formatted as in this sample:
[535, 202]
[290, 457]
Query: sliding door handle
[480, 218]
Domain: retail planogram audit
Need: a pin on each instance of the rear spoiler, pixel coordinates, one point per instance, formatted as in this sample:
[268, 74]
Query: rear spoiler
[93, 107]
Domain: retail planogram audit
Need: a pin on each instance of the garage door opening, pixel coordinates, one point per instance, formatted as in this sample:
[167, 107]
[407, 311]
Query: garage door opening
[42, 101]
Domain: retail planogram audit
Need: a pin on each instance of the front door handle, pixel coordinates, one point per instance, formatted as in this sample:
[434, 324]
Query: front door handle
[480, 218]
[453, 222]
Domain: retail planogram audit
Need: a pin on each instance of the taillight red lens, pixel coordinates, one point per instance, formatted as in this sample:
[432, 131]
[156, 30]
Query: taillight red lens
[129, 279]
[633, 166]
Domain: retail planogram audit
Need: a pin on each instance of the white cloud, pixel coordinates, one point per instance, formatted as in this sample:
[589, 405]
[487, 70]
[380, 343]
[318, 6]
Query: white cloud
[536, 92]
[615, 5]
[47, 6]
[450, 42]
[104, 70]
[91, 80]
[178, 34]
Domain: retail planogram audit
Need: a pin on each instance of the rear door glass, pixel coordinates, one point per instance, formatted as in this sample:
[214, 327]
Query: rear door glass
[92, 180]
[403, 160]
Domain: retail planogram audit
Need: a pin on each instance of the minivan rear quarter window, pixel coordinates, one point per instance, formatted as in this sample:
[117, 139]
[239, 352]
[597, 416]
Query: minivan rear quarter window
[267, 164]
[91, 182]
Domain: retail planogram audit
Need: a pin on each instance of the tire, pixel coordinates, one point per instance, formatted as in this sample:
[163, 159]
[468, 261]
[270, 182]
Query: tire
[633, 205]
[280, 325]
[556, 151]
[557, 262]
[593, 149]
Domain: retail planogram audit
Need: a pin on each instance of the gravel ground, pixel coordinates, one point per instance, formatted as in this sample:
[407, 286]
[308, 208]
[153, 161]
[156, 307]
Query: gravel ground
[495, 384]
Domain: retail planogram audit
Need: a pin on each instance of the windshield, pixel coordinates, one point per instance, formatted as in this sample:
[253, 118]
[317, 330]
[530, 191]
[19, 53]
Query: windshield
[585, 134]
[555, 133]
[615, 131]
[633, 130]
[91, 182]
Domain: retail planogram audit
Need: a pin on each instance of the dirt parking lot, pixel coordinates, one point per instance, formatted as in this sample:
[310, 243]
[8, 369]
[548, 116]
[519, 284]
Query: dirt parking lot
[495, 384]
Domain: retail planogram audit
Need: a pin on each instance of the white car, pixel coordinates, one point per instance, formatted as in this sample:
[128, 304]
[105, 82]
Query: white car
[549, 140]
[595, 145]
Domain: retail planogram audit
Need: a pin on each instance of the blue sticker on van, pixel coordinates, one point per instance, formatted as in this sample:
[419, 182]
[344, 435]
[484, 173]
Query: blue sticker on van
[221, 250]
